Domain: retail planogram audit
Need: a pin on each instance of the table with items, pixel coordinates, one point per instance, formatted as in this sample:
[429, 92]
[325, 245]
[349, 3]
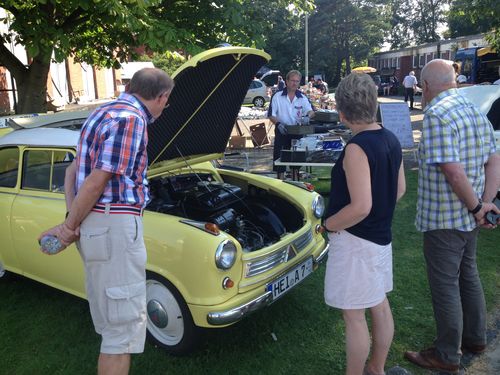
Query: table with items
[313, 150]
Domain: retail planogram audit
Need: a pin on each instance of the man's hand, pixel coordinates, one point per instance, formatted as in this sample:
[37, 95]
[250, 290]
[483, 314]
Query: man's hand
[282, 129]
[480, 216]
[63, 233]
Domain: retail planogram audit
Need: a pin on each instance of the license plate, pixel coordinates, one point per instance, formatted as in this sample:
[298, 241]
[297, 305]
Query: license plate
[292, 278]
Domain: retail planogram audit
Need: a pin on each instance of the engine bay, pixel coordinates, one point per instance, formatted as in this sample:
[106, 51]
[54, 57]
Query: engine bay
[253, 216]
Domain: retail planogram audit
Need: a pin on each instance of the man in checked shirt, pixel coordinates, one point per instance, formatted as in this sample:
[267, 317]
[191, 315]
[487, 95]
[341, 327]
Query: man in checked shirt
[106, 191]
[459, 176]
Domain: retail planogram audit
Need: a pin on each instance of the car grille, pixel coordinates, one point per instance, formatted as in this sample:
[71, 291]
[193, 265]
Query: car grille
[302, 242]
[263, 264]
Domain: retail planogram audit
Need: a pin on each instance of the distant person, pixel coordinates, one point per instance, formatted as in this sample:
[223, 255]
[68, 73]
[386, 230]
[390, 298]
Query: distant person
[460, 78]
[456, 186]
[367, 181]
[321, 86]
[288, 107]
[410, 84]
[281, 83]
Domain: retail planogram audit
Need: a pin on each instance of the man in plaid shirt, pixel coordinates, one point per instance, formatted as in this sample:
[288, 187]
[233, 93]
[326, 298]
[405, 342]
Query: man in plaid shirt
[459, 175]
[106, 191]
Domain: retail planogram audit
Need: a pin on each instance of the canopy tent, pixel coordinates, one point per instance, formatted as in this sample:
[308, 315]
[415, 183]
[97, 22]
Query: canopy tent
[484, 51]
[364, 69]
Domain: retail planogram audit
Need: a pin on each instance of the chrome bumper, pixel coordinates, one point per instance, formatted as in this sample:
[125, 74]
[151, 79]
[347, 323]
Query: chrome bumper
[237, 313]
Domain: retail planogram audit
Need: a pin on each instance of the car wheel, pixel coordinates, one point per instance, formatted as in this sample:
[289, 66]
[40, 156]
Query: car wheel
[259, 101]
[170, 324]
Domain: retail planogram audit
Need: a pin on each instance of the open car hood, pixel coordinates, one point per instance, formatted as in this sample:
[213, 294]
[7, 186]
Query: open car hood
[203, 106]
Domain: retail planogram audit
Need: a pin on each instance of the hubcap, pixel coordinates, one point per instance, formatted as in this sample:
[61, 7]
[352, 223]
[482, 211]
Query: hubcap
[157, 314]
[165, 319]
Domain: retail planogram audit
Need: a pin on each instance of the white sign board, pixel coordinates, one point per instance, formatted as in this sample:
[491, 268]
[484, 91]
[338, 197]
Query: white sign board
[396, 118]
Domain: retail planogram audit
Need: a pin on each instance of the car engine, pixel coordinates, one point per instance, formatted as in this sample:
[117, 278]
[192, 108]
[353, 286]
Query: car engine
[256, 219]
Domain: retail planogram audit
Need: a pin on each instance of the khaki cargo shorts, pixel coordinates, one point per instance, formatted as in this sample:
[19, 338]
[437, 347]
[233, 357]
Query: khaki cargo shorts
[112, 248]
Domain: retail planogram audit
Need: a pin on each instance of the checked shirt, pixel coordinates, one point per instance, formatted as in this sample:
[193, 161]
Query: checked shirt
[454, 131]
[114, 139]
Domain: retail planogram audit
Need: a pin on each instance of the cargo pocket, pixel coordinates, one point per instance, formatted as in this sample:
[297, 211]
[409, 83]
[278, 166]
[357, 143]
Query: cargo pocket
[94, 245]
[126, 303]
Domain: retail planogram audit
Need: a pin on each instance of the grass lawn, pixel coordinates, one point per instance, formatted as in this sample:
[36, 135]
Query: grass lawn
[44, 331]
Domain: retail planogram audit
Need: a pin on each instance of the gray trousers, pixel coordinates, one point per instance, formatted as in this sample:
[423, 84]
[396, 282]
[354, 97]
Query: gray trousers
[457, 293]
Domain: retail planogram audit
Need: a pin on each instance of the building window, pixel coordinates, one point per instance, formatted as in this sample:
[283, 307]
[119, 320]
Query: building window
[415, 61]
[398, 63]
[422, 60]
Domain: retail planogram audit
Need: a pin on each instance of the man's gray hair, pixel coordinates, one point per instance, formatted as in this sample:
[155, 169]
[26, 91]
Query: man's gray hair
[356, 98]
[293, 73]
[149, 83]
[439, 72]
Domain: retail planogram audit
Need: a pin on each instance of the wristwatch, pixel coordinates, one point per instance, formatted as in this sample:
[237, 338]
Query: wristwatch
[476, 209]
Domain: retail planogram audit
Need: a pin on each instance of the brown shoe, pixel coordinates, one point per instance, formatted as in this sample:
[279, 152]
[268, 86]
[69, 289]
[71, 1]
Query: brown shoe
[430, 360]
[474, 349]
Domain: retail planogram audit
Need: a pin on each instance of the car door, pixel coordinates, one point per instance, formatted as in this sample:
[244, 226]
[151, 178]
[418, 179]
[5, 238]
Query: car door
[40, 205]
[9, 172]
[252, 92]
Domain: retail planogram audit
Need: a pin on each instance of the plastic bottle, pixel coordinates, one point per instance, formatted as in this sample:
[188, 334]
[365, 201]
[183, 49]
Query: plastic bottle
[50, 244]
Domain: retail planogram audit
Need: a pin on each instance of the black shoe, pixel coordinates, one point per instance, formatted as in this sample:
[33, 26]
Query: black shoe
[474, 349]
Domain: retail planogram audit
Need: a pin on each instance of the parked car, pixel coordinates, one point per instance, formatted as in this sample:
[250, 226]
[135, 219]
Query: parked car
[221, 243]
[257, 94]
[487, 99]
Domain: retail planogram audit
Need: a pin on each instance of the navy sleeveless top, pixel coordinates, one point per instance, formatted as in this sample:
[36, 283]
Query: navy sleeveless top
[384, 154]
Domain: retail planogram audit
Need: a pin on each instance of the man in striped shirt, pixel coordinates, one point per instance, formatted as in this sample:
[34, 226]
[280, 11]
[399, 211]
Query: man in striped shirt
[459, 175]
[106, 191]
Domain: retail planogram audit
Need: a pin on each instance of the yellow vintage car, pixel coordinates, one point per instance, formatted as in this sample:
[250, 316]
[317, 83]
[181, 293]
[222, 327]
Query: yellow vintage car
[221, 243]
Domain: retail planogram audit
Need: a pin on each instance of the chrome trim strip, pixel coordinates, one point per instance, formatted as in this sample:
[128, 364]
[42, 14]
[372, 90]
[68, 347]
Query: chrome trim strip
[321, 257]
[8, 192]
[304, 240]
[265, 264]
[254, 267]
[218, 318]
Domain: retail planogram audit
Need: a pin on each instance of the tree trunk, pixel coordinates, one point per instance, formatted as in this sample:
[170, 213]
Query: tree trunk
[32, 87]
[338, 69]
[347, 52]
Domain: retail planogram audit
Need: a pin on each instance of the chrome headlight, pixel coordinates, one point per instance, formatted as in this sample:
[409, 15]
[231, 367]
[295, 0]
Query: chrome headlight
[225, 255]
[318, 206]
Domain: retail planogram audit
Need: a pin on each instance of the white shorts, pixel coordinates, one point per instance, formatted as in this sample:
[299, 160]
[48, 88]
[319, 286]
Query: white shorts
[358, 272]
[114, 255]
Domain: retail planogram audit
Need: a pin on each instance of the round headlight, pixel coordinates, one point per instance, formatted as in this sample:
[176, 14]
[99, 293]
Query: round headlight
[318, 206]
[225, 255]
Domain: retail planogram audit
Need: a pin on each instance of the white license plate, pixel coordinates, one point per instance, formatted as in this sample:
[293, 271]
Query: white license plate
[292, 278]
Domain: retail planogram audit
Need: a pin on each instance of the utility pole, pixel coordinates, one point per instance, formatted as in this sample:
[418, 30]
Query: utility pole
[306, 79]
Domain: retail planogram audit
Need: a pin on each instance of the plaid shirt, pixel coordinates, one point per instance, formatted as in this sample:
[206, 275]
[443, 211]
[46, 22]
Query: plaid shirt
[454, 131]
[114, 139]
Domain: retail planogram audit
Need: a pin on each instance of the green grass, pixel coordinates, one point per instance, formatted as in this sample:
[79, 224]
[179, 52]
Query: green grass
[44, 331]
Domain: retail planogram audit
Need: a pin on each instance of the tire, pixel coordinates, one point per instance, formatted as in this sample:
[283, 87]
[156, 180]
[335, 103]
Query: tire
[170, 324]
[259, 101]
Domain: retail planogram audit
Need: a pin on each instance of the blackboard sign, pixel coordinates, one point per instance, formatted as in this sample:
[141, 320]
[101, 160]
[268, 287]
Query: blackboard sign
[396, 118]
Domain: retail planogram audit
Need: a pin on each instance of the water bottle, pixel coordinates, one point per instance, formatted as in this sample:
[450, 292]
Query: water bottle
[50, 244]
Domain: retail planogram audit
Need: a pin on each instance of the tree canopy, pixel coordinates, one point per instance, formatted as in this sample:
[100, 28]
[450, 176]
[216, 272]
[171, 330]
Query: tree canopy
[103, 33]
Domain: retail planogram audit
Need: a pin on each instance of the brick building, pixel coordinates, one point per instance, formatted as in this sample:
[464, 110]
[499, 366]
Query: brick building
[402, 61]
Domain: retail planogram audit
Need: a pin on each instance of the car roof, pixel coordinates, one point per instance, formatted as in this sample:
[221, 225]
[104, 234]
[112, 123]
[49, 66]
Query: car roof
[41, 137]
[54, 120]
